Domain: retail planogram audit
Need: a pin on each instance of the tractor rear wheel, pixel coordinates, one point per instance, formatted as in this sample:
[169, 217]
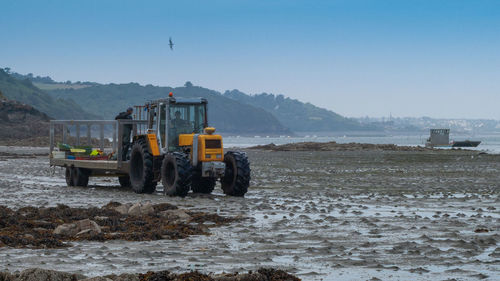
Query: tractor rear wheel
[80, 176]
[141, 168]
[202, 185]
[237, 174]
[124, 181]
[176, 174]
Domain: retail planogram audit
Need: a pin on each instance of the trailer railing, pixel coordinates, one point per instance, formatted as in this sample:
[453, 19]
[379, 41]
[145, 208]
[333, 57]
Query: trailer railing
[116, 130]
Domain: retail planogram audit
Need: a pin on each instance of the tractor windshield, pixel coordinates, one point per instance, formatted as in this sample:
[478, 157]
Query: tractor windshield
[185, 119]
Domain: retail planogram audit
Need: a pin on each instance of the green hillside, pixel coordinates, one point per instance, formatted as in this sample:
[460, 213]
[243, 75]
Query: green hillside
[231, 112]
[227, 115]
[296, 115]
[25, 92]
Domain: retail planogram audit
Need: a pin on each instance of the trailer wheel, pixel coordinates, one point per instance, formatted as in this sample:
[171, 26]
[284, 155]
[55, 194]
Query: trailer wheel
[124, 181]
[69, 176]
[202, 185]
[237, 174]
[176, 174]
[80, 176]
[141, 168]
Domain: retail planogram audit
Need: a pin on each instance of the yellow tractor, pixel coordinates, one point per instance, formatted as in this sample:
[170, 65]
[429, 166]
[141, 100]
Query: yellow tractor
[182, 151]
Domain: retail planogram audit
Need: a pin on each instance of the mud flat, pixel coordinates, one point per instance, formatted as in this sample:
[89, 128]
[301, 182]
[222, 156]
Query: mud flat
[319, 215]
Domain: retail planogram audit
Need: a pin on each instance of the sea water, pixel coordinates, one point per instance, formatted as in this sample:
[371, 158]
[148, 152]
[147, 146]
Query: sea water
[490, 143]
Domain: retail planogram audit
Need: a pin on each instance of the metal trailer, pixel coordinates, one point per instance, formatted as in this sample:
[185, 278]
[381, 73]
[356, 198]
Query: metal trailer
[116, 167]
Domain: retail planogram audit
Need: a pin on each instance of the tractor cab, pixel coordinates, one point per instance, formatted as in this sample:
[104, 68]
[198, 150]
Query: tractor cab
[176, 117]
[185, 118]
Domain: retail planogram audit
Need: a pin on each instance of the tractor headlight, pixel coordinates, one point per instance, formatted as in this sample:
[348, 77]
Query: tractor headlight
[218, 156]
[208, 156]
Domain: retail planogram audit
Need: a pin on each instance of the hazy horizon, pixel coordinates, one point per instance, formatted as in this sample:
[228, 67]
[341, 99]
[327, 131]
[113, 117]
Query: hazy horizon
[357, 58]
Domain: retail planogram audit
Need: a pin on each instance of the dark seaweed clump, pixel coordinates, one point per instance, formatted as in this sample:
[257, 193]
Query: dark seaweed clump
[33, 227]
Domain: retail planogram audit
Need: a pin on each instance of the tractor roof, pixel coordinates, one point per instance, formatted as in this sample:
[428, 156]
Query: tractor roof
[181, 100]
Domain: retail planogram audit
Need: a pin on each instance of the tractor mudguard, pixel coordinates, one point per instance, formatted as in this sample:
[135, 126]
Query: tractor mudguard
[152, 142]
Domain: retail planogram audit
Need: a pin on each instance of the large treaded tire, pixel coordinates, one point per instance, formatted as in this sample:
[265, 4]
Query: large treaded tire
[200, 184]
[80, 176]
[237, 174]
[124, 181]
[69, 176]
[141, 168]
[176, 173]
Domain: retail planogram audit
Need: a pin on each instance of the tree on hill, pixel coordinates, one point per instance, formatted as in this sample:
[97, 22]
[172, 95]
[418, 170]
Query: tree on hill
[296, 115]
[25, 92]
[30, 76]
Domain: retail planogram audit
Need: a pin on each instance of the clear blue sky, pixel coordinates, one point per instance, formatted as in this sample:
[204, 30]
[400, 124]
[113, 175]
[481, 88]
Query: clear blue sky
[409, 58]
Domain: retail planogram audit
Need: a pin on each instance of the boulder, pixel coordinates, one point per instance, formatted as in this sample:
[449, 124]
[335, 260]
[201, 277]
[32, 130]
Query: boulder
[147, 208]
[78, 228]
[86, 231]
[139, 209]
[135, 210]
[175, 215]
[97, 279]
[121, 277]
[67, 229]
[123, 208]
[37, 274]
[88, 225]
[98, 218]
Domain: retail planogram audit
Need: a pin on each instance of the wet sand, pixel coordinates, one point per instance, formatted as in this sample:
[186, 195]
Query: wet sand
[346, 215]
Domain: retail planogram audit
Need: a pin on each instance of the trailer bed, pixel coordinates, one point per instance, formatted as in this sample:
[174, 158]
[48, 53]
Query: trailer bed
[96, 167]
[105, 166]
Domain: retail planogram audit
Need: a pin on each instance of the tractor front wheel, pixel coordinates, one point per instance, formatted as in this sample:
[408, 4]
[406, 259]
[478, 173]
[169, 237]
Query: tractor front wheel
[176, 174]
[141, 168]
[237, 174]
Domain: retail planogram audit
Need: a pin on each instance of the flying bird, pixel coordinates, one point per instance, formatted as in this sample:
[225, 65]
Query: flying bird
[170, 43]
